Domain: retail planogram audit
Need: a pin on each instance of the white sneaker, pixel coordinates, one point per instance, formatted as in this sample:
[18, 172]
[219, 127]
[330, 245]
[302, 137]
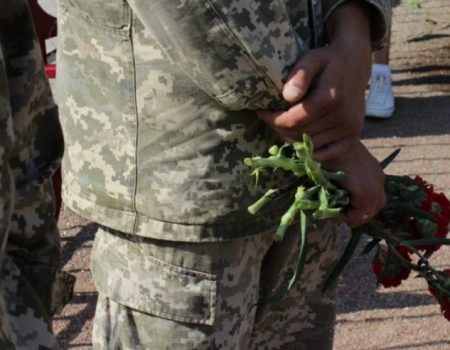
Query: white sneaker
[380, 100]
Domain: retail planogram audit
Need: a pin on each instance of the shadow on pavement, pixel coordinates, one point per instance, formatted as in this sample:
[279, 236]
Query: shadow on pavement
[72, 244]
[422, 69]
[427, 37]
[75, 322]
[373, 300]
[416, 116]
[443, 344]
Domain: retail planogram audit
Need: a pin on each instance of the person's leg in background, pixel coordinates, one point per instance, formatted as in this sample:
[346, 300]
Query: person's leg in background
[380, 100]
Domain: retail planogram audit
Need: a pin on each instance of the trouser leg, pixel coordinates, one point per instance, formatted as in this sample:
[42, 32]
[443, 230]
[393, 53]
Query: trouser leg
[149, 309]
[304, 318]
[174, 295]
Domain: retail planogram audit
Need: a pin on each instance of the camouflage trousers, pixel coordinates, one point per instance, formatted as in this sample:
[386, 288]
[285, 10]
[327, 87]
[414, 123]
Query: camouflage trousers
[25, 325]
[156, 294]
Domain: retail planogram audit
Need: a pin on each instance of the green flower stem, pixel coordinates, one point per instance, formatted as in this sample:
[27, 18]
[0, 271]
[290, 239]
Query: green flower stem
[274, 162]
[334, 176]
[407, 209]
[318, 196]
[304, 151]
[324, 211]
[295, 166]
[428, 241]
[420, 270]
[285, 222]
[266, 198]
[328, 213]
[393, 241]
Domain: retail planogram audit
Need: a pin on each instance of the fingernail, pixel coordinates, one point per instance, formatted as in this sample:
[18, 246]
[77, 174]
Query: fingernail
[292, 92]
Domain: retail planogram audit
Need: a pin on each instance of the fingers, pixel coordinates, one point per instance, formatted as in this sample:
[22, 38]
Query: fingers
[325, 151]
[362, 212]
[329, 142]
[364, 182]
[311, 116]
[305, 72]
[325, 104]
[289, 123]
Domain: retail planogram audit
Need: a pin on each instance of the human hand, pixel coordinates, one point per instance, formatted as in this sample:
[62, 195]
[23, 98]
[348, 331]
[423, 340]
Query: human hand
[364, 182]
[327, 88]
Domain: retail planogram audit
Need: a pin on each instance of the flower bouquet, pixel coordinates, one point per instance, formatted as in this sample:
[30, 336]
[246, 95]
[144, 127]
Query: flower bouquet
[405, 233]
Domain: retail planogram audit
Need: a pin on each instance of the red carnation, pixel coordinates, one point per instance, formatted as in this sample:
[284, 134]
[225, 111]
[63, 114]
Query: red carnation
[420, 181]
[389, 269]
[428, 188]
[433, 198]
[439, 206]
[424, 228]
[442, 223]
[443, 203]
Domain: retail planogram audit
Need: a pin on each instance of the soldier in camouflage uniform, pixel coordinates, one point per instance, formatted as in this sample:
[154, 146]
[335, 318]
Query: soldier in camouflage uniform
[31, 147]
[159, 102]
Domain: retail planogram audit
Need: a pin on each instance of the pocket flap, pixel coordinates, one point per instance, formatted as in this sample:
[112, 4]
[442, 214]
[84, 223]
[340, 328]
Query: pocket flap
[150, 285]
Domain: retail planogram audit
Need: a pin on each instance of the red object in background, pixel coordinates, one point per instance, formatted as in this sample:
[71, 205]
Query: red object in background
[50, 70]
[45, 26]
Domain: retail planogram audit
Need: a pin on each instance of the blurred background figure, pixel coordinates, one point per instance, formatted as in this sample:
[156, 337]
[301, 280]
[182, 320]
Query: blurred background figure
[32, 287]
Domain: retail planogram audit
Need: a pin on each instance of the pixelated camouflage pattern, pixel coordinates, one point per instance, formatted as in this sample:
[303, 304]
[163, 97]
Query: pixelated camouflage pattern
[158, 107]
[156, 294]
[31, 147]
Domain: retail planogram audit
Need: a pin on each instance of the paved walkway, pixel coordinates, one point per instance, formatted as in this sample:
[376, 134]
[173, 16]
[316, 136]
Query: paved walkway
[406, 317]
[368, 318]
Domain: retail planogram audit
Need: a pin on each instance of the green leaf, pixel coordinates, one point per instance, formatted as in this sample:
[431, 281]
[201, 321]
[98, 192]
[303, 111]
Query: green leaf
[428, 241]
[388, 160]
[301, 252]
[285, 287]
[369, 247]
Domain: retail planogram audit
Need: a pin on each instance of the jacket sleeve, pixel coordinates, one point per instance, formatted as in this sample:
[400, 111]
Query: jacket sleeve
[379, 18]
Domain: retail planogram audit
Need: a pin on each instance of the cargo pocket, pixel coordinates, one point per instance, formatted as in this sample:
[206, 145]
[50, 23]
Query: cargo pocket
[150, 285]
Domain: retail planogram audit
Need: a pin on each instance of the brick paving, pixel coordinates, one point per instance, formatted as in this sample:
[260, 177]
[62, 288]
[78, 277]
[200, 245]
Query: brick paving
[406, 317]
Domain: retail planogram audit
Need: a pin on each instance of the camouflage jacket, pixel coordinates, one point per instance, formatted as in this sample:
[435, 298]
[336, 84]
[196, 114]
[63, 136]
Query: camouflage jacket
[31, 147]
[157, 104]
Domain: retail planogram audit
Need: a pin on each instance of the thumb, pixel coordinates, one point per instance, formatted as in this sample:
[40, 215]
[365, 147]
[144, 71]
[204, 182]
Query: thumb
[304, 73]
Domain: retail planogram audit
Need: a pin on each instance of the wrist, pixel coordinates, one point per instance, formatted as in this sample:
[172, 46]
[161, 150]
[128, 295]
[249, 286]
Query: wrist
[348, 30]
[349, 26]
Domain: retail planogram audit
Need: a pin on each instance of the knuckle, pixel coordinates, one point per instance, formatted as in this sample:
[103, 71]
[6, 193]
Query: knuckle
[290, 122]
[335, 96]
[300, 76]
